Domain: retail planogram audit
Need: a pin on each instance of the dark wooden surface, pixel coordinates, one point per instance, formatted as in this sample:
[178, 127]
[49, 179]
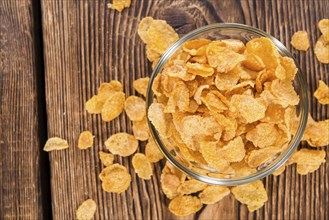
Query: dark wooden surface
[84, 44]
[23, 183]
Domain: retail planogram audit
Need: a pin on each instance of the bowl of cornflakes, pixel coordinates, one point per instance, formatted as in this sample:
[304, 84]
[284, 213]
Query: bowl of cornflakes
[227, 104]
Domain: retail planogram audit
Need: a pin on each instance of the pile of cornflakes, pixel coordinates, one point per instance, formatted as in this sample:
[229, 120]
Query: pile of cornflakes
[220, 104]
[300, 41]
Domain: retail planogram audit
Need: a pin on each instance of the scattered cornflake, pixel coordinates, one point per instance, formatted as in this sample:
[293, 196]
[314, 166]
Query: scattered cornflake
[105, 90]
[141, 130]
[142, 166]
[115, 178]
[86, 210]
[321, 50]
[113, 106]
[106, 158]
[324, 28]
[119, 5]
[252, 194]
[135, 108]
[170, 184]
[316, 133]
[308, 160]
[122, 144]
[152, 151]
[185, 205]
[86, 140]
[191, 186]
[212, 194]
[300, 40]
[141, 84]
[279, 171]
[55, 143]
[322, 93]
[157, 35]
[94, 106]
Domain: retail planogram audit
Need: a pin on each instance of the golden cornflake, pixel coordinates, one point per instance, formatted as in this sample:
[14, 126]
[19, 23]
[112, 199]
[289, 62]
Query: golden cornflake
[119, 5]
[94, 105]
[210, 154]
[86, 140]
[106, 158]
[285, 92]
[141, 130]
[234, 151]
[142, 166]
[279, 171]
[115, 178]
[152, 152]
[105, 90]
[321, 50]
[157, 35]
[55, 143]
[225, 81]
[263, 135]
[191, 186]
[248, 107]
[316, 133]
[86, 210]
[213, 194]
[300, 40]
[322, 93]
[252, 194]
[135, 108]
[159, 119]
[253, 62]
[170, 184]
[258, 157]
[122, 144]
[308, 160]
[193, 45]
[289, 66]
[140, 85]
[265, 50]
[200, 69]
[113, 106]
[185, 205]
[324, 28]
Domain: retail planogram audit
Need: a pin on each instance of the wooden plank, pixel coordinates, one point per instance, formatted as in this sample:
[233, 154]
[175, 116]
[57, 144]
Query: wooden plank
[22, 193]
[86, 44]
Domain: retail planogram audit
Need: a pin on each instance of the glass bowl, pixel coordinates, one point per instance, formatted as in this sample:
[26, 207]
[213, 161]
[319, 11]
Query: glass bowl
[200, 172]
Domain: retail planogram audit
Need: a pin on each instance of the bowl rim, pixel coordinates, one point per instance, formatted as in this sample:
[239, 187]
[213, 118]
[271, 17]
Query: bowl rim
[294, 142]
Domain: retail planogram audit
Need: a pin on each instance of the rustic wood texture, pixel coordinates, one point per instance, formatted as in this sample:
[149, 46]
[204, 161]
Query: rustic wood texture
[21, 180]
[85, 43]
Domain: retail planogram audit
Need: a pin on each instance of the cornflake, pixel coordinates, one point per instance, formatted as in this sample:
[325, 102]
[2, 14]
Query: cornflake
[252, 194]
[86, 140]
[191, 186]
[185, 205]
[213, 194]
[322, 93]
[55, 143]
[316, 133]
[157, 35]
[259, 157]
[135, 108]
[300, 40]
[122, 144]
[141, 130]
[113, 106]
[152, 151]
[324, 28]
[115, 178]
[86, 210]
[140, 85]
[142, 166]
[308, 160]
[106, 158]
[321, 50]
[119, 5]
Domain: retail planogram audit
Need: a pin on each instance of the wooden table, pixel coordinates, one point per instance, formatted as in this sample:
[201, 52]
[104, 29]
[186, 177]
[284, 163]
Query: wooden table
[55, 54]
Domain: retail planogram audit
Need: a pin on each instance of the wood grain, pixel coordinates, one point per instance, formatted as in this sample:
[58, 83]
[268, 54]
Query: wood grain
[86, 44]
[22, 193]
